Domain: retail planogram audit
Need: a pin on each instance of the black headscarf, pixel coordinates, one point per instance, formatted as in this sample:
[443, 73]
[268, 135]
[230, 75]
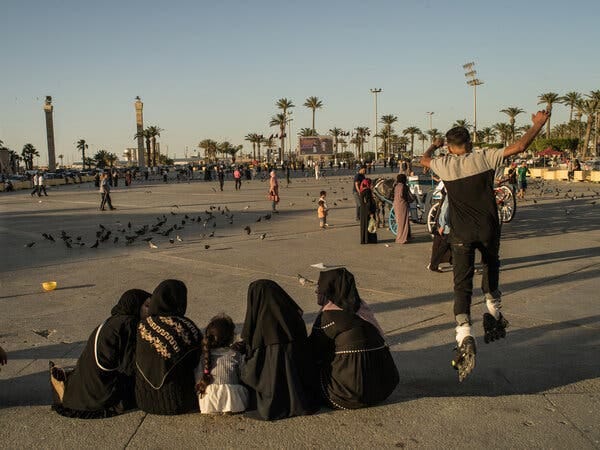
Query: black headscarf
[130, 303]
[169, 299]
[339, 287]
[272, 317]
[165, 337]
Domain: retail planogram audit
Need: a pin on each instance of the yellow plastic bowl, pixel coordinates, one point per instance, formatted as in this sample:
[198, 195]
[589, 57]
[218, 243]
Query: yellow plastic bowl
[49, 285]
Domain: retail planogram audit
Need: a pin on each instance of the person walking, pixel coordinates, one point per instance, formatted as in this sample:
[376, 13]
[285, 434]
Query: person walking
[105, 193]
[237, 177]
[402, 200]
[358, 179]
[367, 213]
[34, 180]
[274, 190]
[41, 185]
[469, 180]
[221, 177]
[522, 172]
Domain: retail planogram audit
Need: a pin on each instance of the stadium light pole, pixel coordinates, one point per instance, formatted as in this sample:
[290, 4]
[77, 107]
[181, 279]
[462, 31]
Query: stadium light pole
[472, 80]
[376, 91]
[430, 114]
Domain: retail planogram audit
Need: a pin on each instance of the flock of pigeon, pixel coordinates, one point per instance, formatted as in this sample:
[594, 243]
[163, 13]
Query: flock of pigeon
[169, 227]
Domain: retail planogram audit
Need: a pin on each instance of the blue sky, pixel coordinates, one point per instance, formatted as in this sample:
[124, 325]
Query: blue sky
[215, 69]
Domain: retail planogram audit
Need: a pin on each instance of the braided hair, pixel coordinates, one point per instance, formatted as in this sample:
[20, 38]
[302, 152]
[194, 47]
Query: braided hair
[219, 333]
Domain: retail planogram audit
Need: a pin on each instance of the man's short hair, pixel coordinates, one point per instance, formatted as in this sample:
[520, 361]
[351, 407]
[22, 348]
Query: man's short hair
[458, 136]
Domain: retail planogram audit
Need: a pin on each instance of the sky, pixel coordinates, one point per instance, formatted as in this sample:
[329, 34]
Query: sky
[214, 69]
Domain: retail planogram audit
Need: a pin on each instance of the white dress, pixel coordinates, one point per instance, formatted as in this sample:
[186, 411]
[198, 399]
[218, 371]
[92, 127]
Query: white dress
[225, 394]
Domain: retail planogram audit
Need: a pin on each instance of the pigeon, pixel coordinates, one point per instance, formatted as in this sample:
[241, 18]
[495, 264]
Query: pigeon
[320, 266]
[116, 240]
[535, 201]
[171, 240]
[211, 234]
[183, 222]
[246, 207]
[387, 245]
[259, 219]
[48, 236]
[30, 244]
[263, 236]
[95, 244]
[206, 247]
[214, 190]
[268, 217]
[174, 206]
[68, 244]
[173, 213]
[105, 237]
[151, 245]
[44, 333]
[78, 238]
[128, 224]
[247, 230]
[102, 227]
[178, 238]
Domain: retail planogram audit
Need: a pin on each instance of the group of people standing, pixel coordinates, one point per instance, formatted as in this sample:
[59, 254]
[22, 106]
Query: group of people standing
[149, 355]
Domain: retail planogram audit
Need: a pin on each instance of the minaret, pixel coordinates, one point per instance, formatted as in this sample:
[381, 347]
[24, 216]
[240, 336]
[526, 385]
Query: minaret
[139, 118]
[48, 109]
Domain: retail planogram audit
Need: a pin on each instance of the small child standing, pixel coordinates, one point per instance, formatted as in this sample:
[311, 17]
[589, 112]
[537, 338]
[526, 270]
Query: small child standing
[218, 374]
[323, 218]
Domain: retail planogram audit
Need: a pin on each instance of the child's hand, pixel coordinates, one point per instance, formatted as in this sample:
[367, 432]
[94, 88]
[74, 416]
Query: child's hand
[239, 346]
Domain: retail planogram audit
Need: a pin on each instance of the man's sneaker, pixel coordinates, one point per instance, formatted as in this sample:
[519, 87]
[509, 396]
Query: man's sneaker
[437, 269]
[494, 329]
[464, 361]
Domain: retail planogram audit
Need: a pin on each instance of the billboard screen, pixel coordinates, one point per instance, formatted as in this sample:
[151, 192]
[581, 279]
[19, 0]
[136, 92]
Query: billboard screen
[316, 145]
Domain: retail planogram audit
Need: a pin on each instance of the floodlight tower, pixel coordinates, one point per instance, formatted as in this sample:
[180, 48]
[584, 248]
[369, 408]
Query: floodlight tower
[472, 80]
[376, 91]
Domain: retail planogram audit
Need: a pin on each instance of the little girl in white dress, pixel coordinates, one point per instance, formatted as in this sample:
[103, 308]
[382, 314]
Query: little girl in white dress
[218, 374]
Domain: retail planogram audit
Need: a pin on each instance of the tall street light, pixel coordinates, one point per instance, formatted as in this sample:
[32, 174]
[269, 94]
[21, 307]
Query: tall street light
[472, 80]
[376, 91]
[430, 114]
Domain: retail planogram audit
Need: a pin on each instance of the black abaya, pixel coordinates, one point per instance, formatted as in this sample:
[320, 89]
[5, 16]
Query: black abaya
[101, 385]
[355, 366]
[367, 207]
[167, 352]
[279, 366]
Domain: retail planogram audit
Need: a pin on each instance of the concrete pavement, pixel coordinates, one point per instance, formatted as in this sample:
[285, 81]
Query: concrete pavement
[540, 387]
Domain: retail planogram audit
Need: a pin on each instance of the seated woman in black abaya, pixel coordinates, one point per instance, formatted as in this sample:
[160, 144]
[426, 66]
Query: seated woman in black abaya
[355, 365]
[279, 367]
[167, 352]
[101, 385]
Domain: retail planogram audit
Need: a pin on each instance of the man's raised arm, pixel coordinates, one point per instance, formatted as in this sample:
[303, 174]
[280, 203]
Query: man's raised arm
[426, 158]
[538, 119]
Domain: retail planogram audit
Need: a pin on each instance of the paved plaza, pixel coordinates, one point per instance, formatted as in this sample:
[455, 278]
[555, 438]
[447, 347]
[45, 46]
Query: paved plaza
[538, 388]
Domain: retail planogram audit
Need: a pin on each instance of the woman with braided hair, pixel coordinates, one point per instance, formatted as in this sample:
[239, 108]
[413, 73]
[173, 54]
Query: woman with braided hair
[167, 352]
[218, 374]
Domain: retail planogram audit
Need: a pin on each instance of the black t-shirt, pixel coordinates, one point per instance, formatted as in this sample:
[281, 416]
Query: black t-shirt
[469, 182]
[358, 178]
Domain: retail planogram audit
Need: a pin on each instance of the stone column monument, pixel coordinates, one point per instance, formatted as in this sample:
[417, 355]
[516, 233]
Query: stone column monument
[48, 109]
[139, 118]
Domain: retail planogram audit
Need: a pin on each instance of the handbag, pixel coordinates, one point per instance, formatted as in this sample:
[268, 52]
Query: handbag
[372, 227]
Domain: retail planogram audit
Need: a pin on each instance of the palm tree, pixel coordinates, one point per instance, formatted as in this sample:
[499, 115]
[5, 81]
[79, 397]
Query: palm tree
[82, 146]
[284, 104]
[269, 143]
[279, 120]
[422, 137]
[102, 158]
[61, 156]
[387, 120]
[154, 132]
[251, 137]
[313, 103]
[111, 158]
[462, 123]
[412, 131]
[571, 99]
[433, 134]
[512, 112]
[210, 148]
[306, 132]
[595, 96]
[549, 98]
[28, 152]
[588, 107]
[360, 138]
[488, 134]
[504, 130]
[336, 133]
